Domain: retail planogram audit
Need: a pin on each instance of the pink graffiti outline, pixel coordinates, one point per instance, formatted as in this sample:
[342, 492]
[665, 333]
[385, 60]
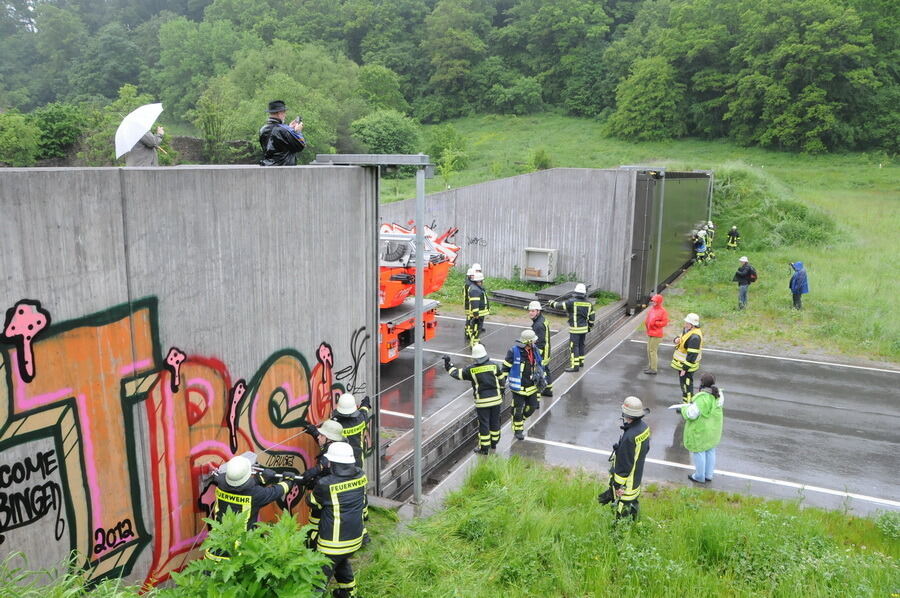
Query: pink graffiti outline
[133, 367]
[24, 402]
[286, 387]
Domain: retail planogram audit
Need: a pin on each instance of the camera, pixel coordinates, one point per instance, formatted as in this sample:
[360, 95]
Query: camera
[298, 119]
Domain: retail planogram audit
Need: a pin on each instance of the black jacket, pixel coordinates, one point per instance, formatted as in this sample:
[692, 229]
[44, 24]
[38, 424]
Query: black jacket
[279, 143]
[742, 276]
[339, 497]
[628, 458]
[252, 492]
[580, 312]
[539, 325]
[355, 426]
[486, 380]
[478, 304]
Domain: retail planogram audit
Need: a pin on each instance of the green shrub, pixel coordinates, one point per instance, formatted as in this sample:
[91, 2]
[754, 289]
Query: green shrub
[649, 103]
[889, 524]
[387, 132]
[270, 560]
[19, 139]
[444, 138]
[540, 160]
[61, 126]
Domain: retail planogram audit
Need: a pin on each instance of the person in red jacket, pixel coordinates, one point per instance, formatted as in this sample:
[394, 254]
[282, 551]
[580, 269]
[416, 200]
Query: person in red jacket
[657, 319]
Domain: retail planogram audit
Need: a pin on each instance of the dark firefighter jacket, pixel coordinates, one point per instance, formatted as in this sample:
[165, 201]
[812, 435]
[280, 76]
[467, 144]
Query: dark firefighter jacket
[687, 352]
[339, 497]
[486, 381]
[279, 143]
[523, 367]
[628, 458]
[580, 312]
[312, 475]
[540, 328]
[355, 426]
[478, 304]
[246, 499]
[733, 237]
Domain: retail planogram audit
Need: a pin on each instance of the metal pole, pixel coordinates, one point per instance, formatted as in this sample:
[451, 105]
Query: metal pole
[419, 335]
[662, 201]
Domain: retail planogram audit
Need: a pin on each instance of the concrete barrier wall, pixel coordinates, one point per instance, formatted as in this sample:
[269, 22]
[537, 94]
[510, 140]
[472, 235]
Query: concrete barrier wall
[194, 313]
[585, 213]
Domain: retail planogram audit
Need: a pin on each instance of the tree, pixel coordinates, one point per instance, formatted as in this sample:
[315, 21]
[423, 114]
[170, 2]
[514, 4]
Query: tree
[61, 125]
[379, 87]
[19, 139]
[60, 38]
[387, 132]
[111, 59]
[649, 104]
[455, 42]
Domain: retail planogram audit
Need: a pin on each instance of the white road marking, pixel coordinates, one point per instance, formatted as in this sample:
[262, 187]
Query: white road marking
[838, 365]
[742, 476]
[520, 326]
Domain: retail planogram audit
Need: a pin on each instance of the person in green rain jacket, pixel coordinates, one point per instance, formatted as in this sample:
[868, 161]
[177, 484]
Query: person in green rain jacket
[703, 422]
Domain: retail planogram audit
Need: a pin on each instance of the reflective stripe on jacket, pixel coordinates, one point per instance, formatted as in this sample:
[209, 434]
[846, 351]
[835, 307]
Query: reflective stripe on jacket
[628, 458]
[486, 382]
[580, 313]
[542, 330]
[521, 371]
[355, 426]
[340, 498]
[687, 351]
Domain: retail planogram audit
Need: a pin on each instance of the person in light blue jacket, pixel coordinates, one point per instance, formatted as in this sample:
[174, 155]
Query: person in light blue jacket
[799, 284]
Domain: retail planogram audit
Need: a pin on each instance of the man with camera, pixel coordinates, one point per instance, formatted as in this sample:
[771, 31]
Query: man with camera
[280, 142]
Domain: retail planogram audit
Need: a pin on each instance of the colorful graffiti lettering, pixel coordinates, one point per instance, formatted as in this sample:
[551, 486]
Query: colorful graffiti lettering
[133, 433]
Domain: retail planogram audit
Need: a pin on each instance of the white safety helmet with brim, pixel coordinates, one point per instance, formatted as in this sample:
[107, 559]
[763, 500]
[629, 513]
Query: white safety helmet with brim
[470, 272]
[743, 259]
[478, 351]
[692, 319]
[346, 404]
[332, 430]
[701, 233]
[580, 288]
[535, 305]
[476, 267]
[633, 407]
[237, 471]
[477, 276]
[527, 336]
[340, 452]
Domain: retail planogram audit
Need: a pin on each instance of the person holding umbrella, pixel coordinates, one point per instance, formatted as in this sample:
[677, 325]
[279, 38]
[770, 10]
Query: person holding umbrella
[134, 139]
[144, 151]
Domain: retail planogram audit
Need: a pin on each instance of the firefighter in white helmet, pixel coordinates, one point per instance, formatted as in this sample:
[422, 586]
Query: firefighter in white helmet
[487, 389]
[580, 313]
[542, 330]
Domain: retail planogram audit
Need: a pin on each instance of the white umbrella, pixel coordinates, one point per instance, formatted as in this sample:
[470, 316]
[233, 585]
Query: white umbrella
[133, 127]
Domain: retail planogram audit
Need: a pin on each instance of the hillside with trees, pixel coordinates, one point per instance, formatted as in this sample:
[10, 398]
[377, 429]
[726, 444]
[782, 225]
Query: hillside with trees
[810, 75]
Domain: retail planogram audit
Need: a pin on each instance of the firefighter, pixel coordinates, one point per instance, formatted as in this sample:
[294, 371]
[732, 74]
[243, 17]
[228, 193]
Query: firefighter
[239, 490]
[524, 371]
[339, 497]
[627, 461]
[487, 389]
[580, 312]
[330, 431]
[355, 422]
[710, 233]
[477, 308]
[542, 330]
[686, 358]
[733, 238]
[468, 283]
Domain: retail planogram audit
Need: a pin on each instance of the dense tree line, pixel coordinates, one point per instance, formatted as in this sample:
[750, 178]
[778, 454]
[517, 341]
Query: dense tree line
[810, 75]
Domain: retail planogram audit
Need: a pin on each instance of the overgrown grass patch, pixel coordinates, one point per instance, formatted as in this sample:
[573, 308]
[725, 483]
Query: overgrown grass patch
[517, 528]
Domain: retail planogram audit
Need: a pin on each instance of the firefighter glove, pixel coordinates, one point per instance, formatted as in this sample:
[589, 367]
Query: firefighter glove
[312, 430]
[447, 362]
[366, 402]
[268, 476]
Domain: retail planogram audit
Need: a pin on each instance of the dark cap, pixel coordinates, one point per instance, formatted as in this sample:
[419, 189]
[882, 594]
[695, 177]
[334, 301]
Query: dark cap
[707, 380]
[277, 106]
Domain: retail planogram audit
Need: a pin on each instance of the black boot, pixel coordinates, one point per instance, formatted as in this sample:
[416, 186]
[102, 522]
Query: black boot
[482, 450]
[546, 393]
[574, 369]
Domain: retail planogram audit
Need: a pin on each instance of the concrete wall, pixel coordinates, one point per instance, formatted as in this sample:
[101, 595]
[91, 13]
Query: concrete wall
[585, 213]
[194, 313]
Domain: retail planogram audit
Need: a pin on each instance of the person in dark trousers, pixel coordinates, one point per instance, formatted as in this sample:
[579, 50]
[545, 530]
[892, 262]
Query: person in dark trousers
[799, 284]
[580, 313]
[627, 461]
[523, 370]
[734, 238]
[280, 143]
[542, 330]
[487, 389]
[655, 322]
[355, 422]
[330, 431]
[340, 498]
[700, 248]
[478, 308]
[686, 358]
[744, 277]
[239, 490]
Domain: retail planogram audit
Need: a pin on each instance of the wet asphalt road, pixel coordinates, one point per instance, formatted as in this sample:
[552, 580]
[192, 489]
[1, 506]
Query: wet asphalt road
[787, 423]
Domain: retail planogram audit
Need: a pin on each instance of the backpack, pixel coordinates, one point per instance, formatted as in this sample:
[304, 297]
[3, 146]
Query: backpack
[753, 275]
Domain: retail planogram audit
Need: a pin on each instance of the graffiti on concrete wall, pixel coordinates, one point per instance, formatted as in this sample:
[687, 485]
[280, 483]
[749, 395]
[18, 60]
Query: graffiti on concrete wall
[127, 432]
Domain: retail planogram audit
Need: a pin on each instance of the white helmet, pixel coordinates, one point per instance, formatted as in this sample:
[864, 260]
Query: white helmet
[701, 233]
[476, 267]
[346, 404]
[477, 276]
[534, 305]
[733, 228]
[580, 288]
[743, 259]
[478, 351]
[710, 224]
[332, 430]
[470, 272]
[527, 336]
[340, 452]
[692, 319]
[633, 407]
[237, 471]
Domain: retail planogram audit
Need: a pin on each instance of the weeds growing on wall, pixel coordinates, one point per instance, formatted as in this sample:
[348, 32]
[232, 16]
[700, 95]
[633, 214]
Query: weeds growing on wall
[17, 581]
[517, 529]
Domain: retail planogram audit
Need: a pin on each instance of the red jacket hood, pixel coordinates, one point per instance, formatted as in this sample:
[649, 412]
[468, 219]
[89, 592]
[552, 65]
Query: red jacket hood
[658, 298]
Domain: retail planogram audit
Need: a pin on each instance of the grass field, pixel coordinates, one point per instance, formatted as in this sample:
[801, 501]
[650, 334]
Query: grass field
[853, 270]
[517, 529]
